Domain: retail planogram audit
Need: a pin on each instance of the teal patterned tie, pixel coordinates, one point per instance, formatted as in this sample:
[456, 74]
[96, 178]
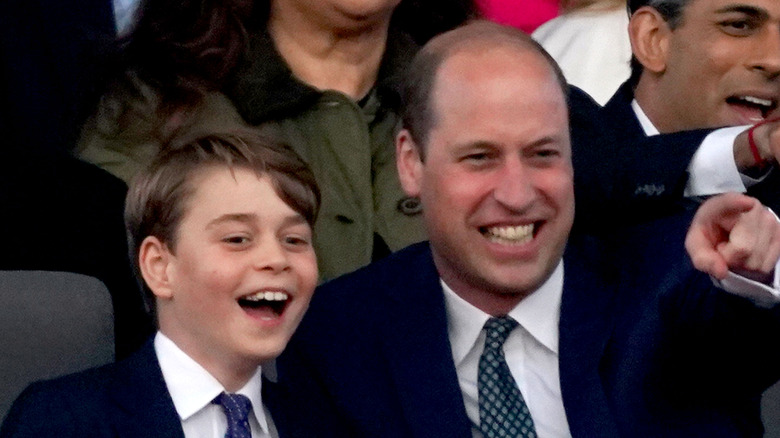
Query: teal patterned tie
[502, 410]
[236, 407]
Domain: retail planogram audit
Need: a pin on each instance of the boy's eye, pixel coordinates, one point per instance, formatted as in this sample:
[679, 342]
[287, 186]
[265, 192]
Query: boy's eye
[236, 240]
[296, 240]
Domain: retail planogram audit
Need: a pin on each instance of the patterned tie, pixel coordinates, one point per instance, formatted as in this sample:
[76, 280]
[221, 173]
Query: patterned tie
[236, 407]
[502, 410]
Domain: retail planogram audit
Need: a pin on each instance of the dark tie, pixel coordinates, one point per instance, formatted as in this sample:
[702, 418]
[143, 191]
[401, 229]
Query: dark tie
[502, 410]
[236, 407]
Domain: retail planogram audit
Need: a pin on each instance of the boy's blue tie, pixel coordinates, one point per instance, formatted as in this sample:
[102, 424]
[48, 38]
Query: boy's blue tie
[236, 407]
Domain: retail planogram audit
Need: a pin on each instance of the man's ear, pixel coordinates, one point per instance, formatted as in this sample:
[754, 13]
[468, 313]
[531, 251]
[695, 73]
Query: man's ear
[154, 259]
[650, 35]
[409, 163]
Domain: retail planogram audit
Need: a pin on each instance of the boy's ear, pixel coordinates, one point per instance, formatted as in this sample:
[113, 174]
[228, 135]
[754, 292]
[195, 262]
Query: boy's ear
[650, 35]
[153, 260]
[409, 163]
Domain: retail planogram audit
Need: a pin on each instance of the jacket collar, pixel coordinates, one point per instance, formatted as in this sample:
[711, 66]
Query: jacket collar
[265, 88]
[419, 352]
[585, 329]
[144, 406]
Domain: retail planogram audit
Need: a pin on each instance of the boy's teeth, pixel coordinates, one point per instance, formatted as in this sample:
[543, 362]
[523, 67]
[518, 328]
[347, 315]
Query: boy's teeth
[515, 234]
[267, 296]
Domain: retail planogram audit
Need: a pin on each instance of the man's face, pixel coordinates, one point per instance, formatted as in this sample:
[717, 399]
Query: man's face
[722, 65]
[496, 180]
[241, 275]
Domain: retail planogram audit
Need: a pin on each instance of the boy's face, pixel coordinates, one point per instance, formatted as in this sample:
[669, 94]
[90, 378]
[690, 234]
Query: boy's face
[241, 275]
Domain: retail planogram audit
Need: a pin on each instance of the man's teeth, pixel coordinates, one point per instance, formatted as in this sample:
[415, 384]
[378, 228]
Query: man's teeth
[267, 296]
[758, 101]
[515, 235]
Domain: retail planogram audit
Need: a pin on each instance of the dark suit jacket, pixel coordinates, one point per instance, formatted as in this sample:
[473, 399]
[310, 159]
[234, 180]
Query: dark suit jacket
[644, 349]
[618, 112]
[125, 399]
[620, 176]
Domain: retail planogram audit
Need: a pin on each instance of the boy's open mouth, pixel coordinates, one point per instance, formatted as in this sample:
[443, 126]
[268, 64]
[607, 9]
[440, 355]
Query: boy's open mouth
[266, 304]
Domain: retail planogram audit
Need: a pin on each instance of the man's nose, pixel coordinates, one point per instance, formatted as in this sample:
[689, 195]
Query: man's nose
[514, 188]
[766, 52]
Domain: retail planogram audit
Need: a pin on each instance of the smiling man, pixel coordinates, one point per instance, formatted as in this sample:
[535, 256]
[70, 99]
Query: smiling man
[706, 64]
[505, 323]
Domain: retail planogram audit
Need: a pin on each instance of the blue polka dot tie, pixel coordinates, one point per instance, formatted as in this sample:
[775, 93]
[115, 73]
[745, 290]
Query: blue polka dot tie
[236, 407]
[502, 410]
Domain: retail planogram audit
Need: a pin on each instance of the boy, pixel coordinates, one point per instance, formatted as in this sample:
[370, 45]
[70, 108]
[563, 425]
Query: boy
[220, 230]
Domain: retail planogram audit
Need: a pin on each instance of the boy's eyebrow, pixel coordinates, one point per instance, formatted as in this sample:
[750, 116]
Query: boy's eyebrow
[232, 217]
[294, 219]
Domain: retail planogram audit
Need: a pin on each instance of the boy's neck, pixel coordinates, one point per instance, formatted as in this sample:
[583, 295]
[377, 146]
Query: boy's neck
[232, 372]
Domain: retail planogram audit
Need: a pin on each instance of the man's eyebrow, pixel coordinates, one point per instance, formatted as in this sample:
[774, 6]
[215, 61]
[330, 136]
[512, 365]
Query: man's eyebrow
[752, 10]
[472, 145]
[232, 217]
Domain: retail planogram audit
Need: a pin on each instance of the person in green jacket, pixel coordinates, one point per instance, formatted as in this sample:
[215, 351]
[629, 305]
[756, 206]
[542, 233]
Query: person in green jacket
[321, 76]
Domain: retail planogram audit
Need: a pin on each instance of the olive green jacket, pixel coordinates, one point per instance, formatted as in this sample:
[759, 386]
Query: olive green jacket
[349, 146]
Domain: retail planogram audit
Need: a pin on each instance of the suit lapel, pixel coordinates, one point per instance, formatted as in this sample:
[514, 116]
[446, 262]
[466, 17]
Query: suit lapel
[419, 353]
[144, 406]
[585, 328]
[621, 115]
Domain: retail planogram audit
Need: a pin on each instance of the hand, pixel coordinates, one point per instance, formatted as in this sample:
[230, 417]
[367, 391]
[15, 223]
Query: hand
[733, 232]
[766, 136]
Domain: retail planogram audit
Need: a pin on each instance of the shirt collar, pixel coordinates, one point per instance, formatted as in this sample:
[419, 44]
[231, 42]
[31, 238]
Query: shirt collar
[192, 388]
[647, 125]
[538, 313]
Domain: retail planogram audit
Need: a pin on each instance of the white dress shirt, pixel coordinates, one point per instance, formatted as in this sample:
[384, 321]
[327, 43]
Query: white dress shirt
[531, 352]
[124, 15]
[712, 169]
[192, 389]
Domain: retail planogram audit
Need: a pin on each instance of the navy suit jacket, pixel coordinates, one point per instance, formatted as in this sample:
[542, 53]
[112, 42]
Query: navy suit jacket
[645, 348]
[619, 176]
[125, 399]
[618, 113]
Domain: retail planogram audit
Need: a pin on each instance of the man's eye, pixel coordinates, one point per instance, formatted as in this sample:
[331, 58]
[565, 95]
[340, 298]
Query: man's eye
[737, 27]
[547, 153]
[478, 157]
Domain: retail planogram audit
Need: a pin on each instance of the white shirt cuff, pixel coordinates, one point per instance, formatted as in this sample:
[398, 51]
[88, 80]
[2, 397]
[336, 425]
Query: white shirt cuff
[712, 169]
[761, 294]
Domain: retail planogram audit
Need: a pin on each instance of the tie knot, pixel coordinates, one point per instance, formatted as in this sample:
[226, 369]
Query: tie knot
[497, 329]
[236, 407]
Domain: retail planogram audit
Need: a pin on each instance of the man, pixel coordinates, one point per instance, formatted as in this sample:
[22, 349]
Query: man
[706, 64]
[615, 338]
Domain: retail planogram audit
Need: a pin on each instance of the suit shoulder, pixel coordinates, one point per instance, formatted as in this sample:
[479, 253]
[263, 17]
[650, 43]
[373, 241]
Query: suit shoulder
[55, 407]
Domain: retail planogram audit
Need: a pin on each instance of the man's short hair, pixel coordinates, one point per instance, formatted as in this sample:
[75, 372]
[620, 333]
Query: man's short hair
[417, 115]
[157, 197]
[672, 13]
